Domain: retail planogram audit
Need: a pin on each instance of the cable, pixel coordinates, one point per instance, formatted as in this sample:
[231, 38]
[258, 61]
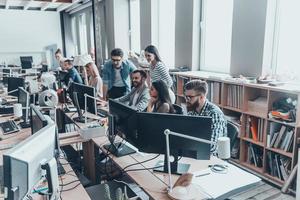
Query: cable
[71, 188]
[141, 169]
[141, 162]
[70, 182]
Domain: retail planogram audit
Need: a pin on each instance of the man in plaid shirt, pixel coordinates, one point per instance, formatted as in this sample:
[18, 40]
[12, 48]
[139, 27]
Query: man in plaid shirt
[197, 105]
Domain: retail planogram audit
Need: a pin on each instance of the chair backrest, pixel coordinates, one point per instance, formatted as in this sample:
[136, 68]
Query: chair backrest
[178, 109]
[232, 132]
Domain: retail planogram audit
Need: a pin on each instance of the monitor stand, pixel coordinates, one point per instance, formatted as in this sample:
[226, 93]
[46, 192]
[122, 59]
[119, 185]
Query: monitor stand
[24, 124]
[176, 167]
[119, 149]
[79, 119]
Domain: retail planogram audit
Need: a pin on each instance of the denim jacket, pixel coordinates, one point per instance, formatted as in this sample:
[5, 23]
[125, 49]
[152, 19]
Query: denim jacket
[109, 74]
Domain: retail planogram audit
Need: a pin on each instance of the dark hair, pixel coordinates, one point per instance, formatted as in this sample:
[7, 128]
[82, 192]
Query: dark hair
[117, 52]
[163, 93]
[58, 51]
[152, 49]
[197, 85]
[142, 73]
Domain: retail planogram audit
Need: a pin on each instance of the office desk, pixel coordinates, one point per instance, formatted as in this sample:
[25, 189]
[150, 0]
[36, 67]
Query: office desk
[154, 183]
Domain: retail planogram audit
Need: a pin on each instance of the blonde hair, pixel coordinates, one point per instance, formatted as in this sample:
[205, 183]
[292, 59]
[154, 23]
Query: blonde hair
[93, 69]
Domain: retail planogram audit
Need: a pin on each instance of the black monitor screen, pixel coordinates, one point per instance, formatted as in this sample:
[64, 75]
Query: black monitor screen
[23, 98]
[26, 62]
[81, 89]
[13, 84]
[151, 138]
[37, 119]
[124, 120]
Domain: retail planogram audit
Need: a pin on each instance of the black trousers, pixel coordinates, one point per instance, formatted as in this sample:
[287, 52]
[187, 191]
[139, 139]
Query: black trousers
[116, 92]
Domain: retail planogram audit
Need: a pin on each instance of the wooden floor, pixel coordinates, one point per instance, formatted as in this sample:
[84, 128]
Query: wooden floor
[262, 191]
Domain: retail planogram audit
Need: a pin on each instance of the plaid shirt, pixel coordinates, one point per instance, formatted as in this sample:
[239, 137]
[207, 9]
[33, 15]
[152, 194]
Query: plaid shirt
[219, 123]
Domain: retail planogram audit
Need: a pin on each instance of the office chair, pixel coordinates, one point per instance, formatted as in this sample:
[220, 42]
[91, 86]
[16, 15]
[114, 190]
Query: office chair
[232, 133]
[178, 109]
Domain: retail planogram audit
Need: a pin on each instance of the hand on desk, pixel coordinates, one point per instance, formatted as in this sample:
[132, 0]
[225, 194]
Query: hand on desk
[184, 180]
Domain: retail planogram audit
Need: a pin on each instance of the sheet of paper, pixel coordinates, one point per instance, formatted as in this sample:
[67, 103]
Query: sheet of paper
[217, 184]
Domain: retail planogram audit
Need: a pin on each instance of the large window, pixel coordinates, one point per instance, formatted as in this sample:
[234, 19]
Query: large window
[163, 27]
[83, 34]
[74, 35]
[135, 38]
[285, 60]
[216, 28]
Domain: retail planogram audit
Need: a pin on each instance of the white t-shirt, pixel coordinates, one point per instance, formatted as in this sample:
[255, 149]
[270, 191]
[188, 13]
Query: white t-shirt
[118, 78]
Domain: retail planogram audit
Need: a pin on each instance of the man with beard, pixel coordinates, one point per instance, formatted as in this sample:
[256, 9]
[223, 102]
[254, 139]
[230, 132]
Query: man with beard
[116, 75]
[197, 105]
[139, 96]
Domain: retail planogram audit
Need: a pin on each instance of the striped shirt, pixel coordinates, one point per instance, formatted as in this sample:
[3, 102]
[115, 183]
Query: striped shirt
[219, 123]
[161, 72]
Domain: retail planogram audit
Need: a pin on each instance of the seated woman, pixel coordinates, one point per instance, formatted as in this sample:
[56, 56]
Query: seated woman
[160, 99]
[94, 79]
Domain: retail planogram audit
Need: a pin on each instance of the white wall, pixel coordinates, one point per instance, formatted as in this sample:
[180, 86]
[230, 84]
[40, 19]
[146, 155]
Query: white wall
[27, 33]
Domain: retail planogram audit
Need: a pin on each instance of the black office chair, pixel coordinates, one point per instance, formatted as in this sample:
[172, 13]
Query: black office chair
[178, 109]
[232, 133]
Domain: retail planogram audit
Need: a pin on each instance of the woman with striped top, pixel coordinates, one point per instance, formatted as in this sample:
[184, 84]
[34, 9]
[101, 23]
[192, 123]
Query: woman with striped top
[158, 70]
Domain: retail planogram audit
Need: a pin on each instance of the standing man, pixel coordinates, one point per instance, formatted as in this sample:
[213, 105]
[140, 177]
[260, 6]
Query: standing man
[197, 105]
[139, 96]
[116, 75]
[72, 73]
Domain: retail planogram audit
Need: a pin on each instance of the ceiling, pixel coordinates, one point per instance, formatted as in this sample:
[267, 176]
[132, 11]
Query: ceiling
[40, 5]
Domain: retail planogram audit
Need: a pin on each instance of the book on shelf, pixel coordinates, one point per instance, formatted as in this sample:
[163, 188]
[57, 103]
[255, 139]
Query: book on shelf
[278, 165]
[255, 155]
[280, 136]
[253, 127]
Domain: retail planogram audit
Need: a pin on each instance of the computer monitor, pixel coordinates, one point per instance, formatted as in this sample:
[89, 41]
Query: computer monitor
[150, 137]
[37, 119]
[6, 73]
[13, 84]
[44, 68]
[26, 62]
[24, 98]
[122, 122]
[26, 163]
[79, 90]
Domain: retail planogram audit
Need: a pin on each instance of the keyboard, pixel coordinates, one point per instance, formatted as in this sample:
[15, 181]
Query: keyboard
[102, 113]
[9, 126]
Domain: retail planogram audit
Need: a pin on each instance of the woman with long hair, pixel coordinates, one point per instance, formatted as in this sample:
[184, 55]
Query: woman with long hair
[158, 70]
[94, 79]
[160, 99]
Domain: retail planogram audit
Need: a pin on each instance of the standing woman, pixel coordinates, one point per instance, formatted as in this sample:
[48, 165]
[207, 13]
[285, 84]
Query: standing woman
[158, 70]
[94, 79]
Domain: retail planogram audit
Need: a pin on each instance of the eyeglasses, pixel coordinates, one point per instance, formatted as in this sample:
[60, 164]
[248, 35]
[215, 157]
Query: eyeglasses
[116, 60]
[189, 97]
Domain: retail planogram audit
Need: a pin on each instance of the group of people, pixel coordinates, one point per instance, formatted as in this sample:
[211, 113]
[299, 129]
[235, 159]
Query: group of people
[122, 81]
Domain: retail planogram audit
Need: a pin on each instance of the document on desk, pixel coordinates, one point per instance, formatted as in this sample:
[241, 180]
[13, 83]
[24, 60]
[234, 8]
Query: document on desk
[222, 185]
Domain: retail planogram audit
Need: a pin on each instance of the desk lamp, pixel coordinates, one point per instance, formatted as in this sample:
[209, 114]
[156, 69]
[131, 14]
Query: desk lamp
[191, 191]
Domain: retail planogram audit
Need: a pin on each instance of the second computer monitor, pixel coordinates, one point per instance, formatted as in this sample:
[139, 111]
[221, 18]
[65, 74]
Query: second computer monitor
[26, 62]
[80, 90]
[124, 120]
[23, 98]
[37, 119]
[13, 84]
[151, 138]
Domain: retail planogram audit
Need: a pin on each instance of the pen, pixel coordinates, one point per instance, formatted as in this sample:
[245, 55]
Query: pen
[203, 174]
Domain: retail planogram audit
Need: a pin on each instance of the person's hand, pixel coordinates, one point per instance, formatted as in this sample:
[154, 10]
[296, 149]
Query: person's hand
[151, 103]
[184, 180]
[104, 121]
